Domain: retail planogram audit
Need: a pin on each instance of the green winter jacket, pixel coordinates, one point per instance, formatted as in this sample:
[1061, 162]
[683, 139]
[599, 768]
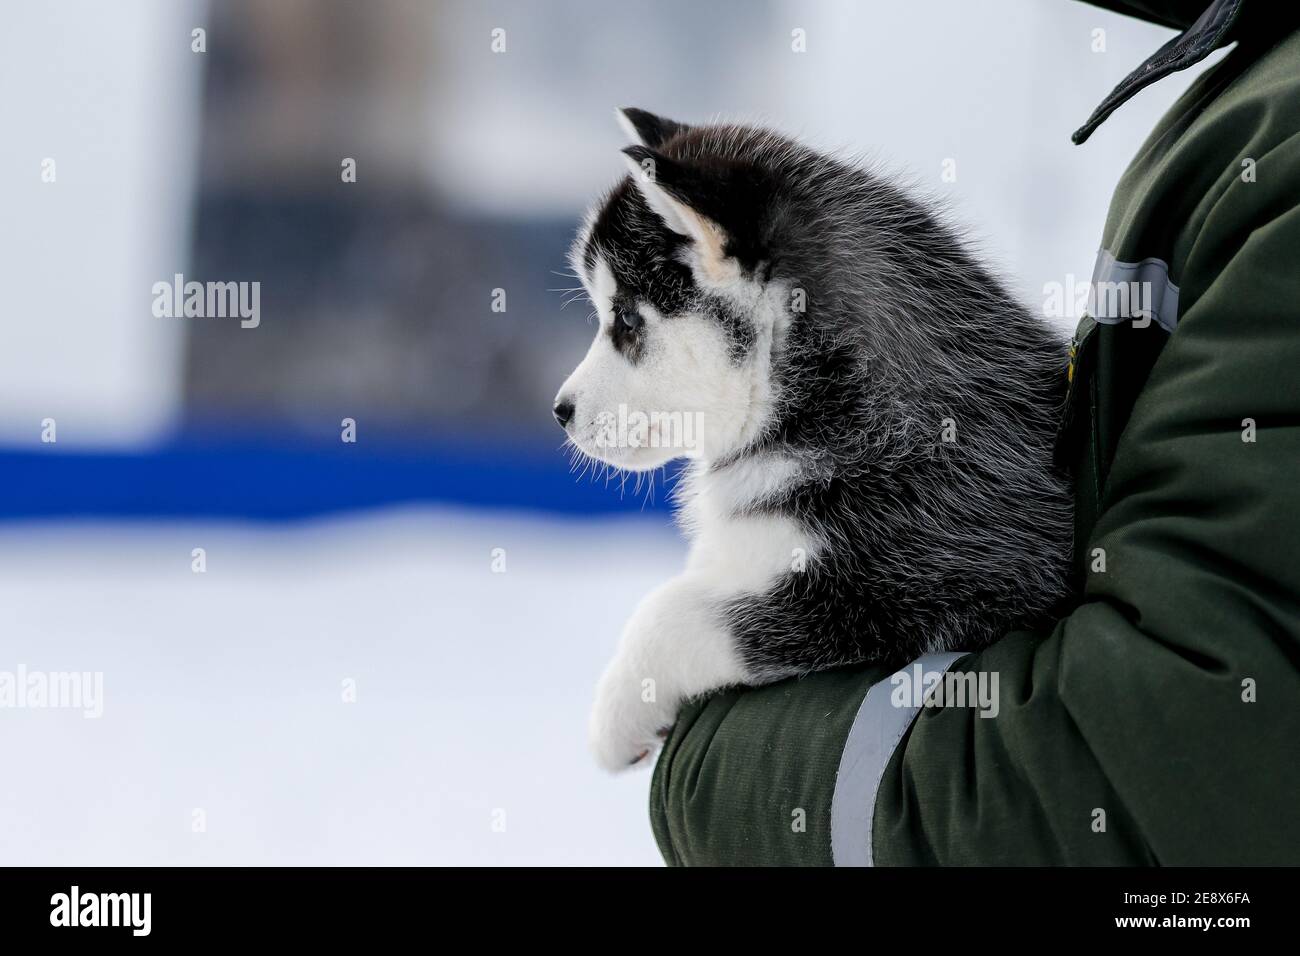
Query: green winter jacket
[1158, 722]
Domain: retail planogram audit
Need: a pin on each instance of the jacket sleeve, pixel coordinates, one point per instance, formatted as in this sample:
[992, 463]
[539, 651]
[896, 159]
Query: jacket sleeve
[1156, 723]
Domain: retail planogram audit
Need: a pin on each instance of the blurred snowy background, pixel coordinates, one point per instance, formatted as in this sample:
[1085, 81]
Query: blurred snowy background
[379, 562]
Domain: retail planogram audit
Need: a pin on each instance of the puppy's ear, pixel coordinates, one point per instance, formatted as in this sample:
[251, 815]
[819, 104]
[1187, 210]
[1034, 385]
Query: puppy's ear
[646, 128]
[686, 199]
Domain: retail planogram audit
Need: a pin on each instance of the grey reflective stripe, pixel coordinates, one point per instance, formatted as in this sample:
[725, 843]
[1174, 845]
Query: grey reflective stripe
[875, 733]
[1132, 291]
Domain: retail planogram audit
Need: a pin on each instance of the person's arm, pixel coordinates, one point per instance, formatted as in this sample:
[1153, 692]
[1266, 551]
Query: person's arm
[1157, 723]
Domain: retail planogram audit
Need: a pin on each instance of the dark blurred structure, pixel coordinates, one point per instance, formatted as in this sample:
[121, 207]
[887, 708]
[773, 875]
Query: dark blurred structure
[376, 297]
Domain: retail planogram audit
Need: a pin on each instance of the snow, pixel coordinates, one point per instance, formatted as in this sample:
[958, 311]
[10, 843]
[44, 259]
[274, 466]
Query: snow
[223, 691]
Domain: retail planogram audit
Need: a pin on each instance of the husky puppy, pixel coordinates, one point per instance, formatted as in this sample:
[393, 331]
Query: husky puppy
[867, 414]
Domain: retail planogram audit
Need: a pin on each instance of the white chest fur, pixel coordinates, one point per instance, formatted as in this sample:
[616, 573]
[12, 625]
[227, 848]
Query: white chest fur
[734, 549]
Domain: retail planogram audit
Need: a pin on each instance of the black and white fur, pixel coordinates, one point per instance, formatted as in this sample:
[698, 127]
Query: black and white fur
[835, 337]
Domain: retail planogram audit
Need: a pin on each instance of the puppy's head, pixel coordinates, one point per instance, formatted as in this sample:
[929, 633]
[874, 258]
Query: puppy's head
[676, 259]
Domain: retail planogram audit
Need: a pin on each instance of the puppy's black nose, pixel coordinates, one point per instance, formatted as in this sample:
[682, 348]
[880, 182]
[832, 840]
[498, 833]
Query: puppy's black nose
[563, 412]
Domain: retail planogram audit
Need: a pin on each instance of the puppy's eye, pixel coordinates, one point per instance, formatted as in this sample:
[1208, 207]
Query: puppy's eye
[630, 320]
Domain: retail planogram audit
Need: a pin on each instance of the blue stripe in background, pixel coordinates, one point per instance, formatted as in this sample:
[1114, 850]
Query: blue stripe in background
[275, 479]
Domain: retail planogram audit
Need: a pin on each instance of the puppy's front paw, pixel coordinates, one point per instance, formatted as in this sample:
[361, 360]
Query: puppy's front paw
[629, 720]
[672, 649]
